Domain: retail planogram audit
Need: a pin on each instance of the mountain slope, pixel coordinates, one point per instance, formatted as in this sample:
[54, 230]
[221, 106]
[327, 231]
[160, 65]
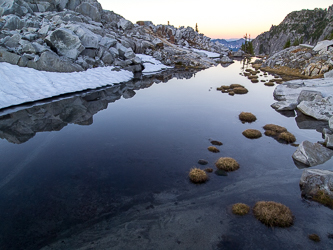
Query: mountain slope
[306, 26]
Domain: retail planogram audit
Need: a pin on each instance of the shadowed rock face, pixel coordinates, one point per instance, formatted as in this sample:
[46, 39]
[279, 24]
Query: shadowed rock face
[20, 126]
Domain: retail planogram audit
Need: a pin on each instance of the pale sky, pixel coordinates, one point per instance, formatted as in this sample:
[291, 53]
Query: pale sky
[215, 18]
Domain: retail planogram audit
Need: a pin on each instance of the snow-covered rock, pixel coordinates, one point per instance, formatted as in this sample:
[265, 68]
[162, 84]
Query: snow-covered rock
[151, 65]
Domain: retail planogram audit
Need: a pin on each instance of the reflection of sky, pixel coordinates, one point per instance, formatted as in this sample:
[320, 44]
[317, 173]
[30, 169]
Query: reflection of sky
[216, 19]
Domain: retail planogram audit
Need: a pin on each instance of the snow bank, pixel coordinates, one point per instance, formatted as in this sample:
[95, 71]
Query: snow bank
[20, 85]
[208, 53]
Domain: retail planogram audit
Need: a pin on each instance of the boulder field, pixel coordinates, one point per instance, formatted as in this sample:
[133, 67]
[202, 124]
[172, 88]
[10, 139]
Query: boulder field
[75, 35]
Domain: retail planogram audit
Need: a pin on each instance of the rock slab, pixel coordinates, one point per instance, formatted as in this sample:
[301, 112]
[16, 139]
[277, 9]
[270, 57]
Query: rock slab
[312, 154]
[314, 180]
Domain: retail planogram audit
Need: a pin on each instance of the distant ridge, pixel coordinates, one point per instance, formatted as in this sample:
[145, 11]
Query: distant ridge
[232, 44]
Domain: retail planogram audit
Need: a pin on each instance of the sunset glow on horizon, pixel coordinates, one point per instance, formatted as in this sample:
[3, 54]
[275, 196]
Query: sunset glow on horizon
[215, 19]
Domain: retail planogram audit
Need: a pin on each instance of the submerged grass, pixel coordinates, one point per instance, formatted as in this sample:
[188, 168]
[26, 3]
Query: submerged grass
[314, 237]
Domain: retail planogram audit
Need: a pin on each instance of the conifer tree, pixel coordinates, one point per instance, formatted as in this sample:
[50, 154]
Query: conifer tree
[287, 44]
[196, 27]
[247, 46]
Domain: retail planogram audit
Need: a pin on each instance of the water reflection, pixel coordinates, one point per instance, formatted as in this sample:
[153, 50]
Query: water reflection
[20, 126]
[126, 175]
[307, 122]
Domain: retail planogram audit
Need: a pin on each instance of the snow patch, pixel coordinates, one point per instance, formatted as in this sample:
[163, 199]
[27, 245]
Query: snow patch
[208, 53]
[20, 84]
[151, 64]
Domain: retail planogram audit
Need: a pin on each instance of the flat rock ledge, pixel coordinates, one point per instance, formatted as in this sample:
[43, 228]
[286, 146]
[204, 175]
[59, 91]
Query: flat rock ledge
[313, 98]
[314, 181]
[288, 93]
[312, 154]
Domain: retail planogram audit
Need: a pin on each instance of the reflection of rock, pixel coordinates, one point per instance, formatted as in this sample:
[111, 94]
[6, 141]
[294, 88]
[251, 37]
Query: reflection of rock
[312, 154]
[22, 125]
[128, 93]
[287, 113]
[307, 122]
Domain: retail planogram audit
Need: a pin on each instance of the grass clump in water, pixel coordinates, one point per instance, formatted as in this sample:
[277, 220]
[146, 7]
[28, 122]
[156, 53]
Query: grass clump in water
[269, 84]
[197, 175]
[287, 137]
[275, 128]
[213, 149]
[240, 90]
[314, 237]
[233, 89]
[273, 214]
[235, 85]
[227, 164]
[247, 117]
[281, 134]
[252, 133]
[209, 170]
[217, 143]
[240, 209]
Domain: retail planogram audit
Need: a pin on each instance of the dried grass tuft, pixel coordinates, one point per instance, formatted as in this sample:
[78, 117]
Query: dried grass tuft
[252, 133]
[275, 128]
[273, 214]
[240, 209]
[227, 164]
[247, 117]
[198, 176]
[213, 149]
[287, 137]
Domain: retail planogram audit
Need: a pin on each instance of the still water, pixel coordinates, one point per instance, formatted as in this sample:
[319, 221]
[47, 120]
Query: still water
[108, 169]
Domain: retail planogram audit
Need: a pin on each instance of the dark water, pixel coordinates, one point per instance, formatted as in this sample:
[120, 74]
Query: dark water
[67, 165]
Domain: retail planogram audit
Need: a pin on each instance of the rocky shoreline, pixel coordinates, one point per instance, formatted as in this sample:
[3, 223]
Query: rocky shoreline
[311, 95]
